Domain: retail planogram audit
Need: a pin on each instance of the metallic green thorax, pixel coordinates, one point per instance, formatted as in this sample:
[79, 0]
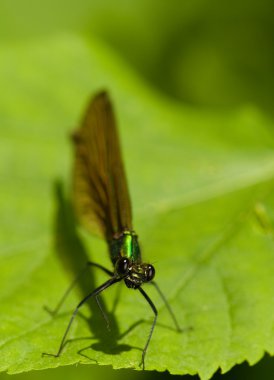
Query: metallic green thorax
[125, 245]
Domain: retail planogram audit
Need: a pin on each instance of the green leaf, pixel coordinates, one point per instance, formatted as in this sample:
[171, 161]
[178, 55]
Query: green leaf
[202, 192]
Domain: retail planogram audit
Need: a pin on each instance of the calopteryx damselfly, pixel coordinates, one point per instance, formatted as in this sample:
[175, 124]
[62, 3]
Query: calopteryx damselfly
[103, 205]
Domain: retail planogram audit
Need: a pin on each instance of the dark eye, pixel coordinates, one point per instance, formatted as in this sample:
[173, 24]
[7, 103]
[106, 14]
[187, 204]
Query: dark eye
[122, 266]
[150, 273]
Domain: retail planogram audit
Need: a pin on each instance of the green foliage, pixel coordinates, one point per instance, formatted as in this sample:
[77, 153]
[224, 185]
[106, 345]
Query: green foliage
[201, 181]
[203, 52]
[201, 187]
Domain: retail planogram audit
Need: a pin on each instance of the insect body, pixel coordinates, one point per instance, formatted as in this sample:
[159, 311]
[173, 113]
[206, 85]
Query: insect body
[103, 205]
[126, 256]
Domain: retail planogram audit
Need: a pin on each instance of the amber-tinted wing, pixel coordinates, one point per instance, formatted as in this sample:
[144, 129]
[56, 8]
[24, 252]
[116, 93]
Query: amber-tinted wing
[100, 188]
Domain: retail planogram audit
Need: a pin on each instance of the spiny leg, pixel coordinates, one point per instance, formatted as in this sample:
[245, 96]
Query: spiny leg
[95, 292]
[107, 271]
[67, 292]
[171, 312]
[102, 312]
[153, 307]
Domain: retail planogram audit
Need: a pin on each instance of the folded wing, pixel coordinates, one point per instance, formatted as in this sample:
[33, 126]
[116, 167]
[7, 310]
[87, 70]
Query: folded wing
[100, 188]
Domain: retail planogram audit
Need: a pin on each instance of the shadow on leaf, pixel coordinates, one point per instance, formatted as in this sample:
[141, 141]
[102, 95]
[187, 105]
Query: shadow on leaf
[73, 256]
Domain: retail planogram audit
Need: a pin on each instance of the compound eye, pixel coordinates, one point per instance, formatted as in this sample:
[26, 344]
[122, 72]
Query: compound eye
[150, 273]
[122, 266]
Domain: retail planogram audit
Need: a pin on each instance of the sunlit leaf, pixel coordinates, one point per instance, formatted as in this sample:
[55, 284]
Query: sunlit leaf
[202, 191]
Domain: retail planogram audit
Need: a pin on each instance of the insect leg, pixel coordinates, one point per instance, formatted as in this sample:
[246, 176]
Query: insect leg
[95, 292]
[74, 282]
[91, 263]
[153, 307]
[171, 312]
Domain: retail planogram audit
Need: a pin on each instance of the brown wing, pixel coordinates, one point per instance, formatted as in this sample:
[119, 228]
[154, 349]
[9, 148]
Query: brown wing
[100, 188]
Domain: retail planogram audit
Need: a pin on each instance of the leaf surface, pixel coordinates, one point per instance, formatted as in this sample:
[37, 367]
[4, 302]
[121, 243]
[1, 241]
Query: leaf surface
[201, 185]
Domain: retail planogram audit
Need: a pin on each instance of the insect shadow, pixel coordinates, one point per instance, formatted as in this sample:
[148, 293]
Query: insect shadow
[73, 256]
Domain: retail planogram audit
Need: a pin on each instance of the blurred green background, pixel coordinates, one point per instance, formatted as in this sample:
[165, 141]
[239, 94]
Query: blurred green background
[204, 52]
[207, 54]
